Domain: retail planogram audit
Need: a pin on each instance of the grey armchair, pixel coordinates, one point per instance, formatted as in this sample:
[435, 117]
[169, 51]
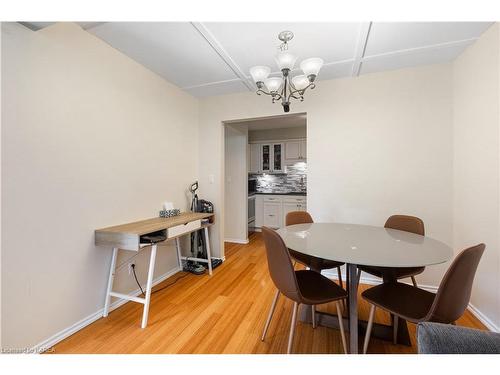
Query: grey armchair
[437, 338]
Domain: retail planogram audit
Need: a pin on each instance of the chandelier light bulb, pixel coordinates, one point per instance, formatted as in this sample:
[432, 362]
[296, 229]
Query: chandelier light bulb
[273, 84]
[259, 73]
[311, 66]
[300, 82]
[285, 60]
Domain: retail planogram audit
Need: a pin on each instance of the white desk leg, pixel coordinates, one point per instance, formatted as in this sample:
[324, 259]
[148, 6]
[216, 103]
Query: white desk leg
[149, 285]
[179, 255]
[209, 256]
[110, 282]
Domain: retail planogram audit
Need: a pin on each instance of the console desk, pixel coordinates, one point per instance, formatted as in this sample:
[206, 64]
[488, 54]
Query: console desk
[128, 237]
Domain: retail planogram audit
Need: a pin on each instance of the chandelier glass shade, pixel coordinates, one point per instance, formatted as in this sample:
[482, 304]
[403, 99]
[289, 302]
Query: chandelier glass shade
[285, 87]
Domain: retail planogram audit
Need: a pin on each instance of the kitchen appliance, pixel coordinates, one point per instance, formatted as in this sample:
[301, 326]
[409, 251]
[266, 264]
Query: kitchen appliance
[252, 186]
[251, 213]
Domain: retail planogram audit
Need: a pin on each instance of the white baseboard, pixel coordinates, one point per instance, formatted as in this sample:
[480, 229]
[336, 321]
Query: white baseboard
[370, 280]
[483, 318]
[236, 240]
[61, 335]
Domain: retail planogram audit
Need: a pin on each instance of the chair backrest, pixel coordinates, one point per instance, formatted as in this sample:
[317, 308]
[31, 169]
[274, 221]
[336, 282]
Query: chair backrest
[454, 291]
[406, 223]
[298, 217]
[280, 265]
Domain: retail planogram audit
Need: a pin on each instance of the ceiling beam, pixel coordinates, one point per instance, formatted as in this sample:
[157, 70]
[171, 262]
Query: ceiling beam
[406, 51]
[364, 33]
[217, 47]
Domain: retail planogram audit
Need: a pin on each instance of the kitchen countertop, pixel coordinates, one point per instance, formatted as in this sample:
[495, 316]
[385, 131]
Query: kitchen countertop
[288, 193]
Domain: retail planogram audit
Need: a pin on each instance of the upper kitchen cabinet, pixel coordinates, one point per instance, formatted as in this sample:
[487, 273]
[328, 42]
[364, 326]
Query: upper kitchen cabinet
[272, 156]
[296, 150]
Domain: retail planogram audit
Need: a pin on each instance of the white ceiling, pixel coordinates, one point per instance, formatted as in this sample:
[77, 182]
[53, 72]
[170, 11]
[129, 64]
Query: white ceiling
[207, 59]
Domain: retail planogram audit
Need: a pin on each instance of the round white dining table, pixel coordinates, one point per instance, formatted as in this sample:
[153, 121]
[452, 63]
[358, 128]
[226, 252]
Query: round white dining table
[367, 245]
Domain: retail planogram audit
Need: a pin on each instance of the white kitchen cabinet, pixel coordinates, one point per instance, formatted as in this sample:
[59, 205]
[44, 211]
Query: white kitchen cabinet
[303, 149]
[292, 150]
[295, 150]
[277, 164]
[272, 214]
[272, 157]
[271, 210]
[255, 158]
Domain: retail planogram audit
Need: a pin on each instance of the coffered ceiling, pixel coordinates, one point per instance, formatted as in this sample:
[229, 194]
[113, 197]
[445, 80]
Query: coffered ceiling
[208, 59]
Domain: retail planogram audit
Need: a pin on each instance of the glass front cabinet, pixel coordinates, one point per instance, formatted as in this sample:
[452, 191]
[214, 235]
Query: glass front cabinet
[272, 157]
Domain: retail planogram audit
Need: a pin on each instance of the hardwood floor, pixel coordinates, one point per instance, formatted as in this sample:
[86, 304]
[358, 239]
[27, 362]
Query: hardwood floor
[224, 313]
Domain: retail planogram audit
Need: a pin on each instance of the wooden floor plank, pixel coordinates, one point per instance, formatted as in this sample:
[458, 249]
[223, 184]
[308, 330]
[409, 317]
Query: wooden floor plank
[224, 313]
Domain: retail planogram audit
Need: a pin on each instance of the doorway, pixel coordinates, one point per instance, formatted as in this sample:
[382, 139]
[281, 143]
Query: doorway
[265, 173]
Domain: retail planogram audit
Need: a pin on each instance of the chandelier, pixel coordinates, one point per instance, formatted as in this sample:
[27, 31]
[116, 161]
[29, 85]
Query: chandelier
[285, 88]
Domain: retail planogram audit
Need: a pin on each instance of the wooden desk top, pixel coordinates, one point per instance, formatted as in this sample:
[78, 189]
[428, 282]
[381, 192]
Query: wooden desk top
[127, 236]
[141, 227]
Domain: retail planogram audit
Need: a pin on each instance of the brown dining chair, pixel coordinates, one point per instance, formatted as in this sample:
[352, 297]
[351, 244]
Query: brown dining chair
[304, 286]
[314, 263]
[404, 223]
[417, 305]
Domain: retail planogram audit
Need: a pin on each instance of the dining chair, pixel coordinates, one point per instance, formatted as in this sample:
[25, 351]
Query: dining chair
[302, 287]
[312, 262]
[404, 223]
[417, 305]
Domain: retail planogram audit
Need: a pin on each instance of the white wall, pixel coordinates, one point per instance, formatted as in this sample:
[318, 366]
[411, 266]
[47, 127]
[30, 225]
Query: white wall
[90, 139]
[476, 124]
[236, 185]
[377, 144]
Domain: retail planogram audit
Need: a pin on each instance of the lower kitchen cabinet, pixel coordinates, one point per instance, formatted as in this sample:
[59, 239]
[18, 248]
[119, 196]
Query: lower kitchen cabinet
[271, 210]
[272, 214]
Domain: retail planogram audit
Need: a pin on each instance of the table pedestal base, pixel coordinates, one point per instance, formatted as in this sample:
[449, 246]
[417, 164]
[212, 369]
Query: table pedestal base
[379, 331]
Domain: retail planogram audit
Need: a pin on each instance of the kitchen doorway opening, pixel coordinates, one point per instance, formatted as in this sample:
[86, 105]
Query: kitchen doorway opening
[265, 173]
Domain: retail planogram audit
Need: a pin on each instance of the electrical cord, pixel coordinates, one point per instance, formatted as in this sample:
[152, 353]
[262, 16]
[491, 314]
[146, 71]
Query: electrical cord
[137, 281]
[157, 290]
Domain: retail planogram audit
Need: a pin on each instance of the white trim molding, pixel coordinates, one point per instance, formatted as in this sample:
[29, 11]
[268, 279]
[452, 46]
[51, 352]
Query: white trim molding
[332, 274]
[236, 240]
[61, 335]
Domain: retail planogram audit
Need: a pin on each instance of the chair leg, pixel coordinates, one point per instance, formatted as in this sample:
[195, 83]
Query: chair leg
[339, 273]
[313, 310]
[270, 315]
[395, 330]
[292, 327]
[414, 281]
[369, 328]
[341, 325]
[358, 278]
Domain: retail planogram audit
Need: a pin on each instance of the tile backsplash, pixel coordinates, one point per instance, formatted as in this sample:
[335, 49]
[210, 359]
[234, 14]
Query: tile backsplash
[295, 180]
